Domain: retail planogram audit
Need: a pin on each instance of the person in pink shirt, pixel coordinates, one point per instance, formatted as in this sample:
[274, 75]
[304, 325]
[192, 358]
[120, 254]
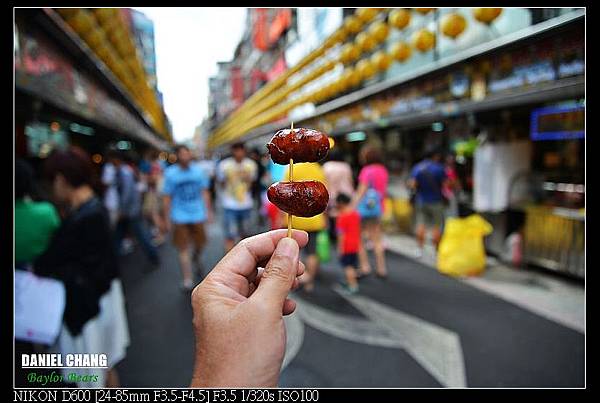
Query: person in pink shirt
[369, 201]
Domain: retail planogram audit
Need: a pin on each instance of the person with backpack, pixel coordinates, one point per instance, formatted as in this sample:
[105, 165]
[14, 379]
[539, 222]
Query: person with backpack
[427, 180]
[369, 202]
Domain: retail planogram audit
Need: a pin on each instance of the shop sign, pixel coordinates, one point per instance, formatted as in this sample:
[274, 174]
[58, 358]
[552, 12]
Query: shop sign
[523, 75]
[558, 123]
[573, 68]
[411, 105]
[47, 73]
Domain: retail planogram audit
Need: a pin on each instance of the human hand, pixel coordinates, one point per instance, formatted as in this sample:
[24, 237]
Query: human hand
[239, 308]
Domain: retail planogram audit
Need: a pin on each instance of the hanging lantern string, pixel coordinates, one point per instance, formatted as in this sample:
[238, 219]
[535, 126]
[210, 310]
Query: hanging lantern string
[291, 179]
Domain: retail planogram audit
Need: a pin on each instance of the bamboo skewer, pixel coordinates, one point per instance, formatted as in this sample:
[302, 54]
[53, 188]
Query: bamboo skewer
[291, 178]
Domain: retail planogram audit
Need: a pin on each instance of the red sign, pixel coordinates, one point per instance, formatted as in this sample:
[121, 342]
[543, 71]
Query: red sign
[259, 37]
[237, 86]
[280, 23]
[278, 68]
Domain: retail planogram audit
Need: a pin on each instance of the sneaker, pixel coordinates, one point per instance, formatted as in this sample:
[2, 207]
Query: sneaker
[347, 289]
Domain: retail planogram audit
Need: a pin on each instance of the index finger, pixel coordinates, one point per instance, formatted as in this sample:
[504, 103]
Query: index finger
[246, 255]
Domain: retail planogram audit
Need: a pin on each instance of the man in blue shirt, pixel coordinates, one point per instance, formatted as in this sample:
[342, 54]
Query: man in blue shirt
[427, 179]
[187, 206]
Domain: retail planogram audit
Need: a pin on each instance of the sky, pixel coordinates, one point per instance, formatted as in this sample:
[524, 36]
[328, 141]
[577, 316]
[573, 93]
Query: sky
[189, 42]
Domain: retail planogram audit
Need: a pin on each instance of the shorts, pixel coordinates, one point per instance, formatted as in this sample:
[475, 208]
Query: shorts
[150, 204]
[349, 259]
[430, 214]
[183, 234]
[236, 223]
[370, 221]
[311, 246]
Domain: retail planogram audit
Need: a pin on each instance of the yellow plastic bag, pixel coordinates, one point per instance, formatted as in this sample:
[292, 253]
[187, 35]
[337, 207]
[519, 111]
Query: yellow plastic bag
[461, 251]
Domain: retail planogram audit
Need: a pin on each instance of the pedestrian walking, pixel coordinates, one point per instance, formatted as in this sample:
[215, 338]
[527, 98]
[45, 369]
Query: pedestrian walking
[369, 202]
[451, 187]
[35, 221]
[348, 229]
[339, 180]
[81, 254]
[312, 225]
[236, 175]
[35, 224]
[111, 194]
[187, 206]
[152, 205]
[427, 180]
[130, 209]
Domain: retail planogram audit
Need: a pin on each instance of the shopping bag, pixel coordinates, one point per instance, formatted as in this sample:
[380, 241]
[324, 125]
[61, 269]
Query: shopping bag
[323, 246]
[461, 251]
[39, 307]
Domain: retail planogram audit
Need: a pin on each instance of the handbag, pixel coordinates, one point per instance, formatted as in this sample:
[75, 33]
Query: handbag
[323, 246]
[39, 307]
[370, 204]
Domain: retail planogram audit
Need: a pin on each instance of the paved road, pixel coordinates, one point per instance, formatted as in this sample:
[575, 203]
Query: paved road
[415, 329]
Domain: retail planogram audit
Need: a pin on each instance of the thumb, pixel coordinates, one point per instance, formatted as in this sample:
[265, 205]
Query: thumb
[279, 274]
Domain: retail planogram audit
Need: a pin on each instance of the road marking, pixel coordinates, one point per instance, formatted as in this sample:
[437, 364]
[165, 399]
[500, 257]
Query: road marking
[295, 336]
[435, 348]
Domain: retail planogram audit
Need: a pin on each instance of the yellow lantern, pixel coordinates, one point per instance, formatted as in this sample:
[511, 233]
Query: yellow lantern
[346, 77]
[424, 10]
[366, 14]
[336, 87]
[125, 48]
[338, 36]
[354, 78]
[353, 24]
[320, 95]
[379, 31]
[116, 35]
[67, 13]
[401, 51]
[82, 21]
[349, 53]
[104, 14]
[486, 15]
[453, 24]
[94, 37]
[423, 40]
[400, 18]
[365, 42]
[381, 60]
[366, 68]
[327, 65]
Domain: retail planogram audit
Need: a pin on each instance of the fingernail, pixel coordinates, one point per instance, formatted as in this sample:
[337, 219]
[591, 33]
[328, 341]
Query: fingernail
[288, 247]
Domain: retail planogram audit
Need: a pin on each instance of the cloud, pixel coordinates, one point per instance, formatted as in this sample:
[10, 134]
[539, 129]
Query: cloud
[189, 42]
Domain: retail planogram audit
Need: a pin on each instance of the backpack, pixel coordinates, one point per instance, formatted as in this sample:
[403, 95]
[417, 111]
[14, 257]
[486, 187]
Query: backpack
[370, 204]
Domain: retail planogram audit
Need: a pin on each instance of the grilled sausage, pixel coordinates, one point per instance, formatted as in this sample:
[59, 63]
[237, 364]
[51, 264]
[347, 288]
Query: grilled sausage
[301, 145]
[302, 199]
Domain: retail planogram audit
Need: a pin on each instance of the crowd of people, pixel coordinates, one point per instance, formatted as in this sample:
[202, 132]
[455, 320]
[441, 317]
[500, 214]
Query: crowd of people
[78, 230]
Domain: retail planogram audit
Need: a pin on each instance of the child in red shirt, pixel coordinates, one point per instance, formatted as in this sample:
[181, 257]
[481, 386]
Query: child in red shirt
[348, 230]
